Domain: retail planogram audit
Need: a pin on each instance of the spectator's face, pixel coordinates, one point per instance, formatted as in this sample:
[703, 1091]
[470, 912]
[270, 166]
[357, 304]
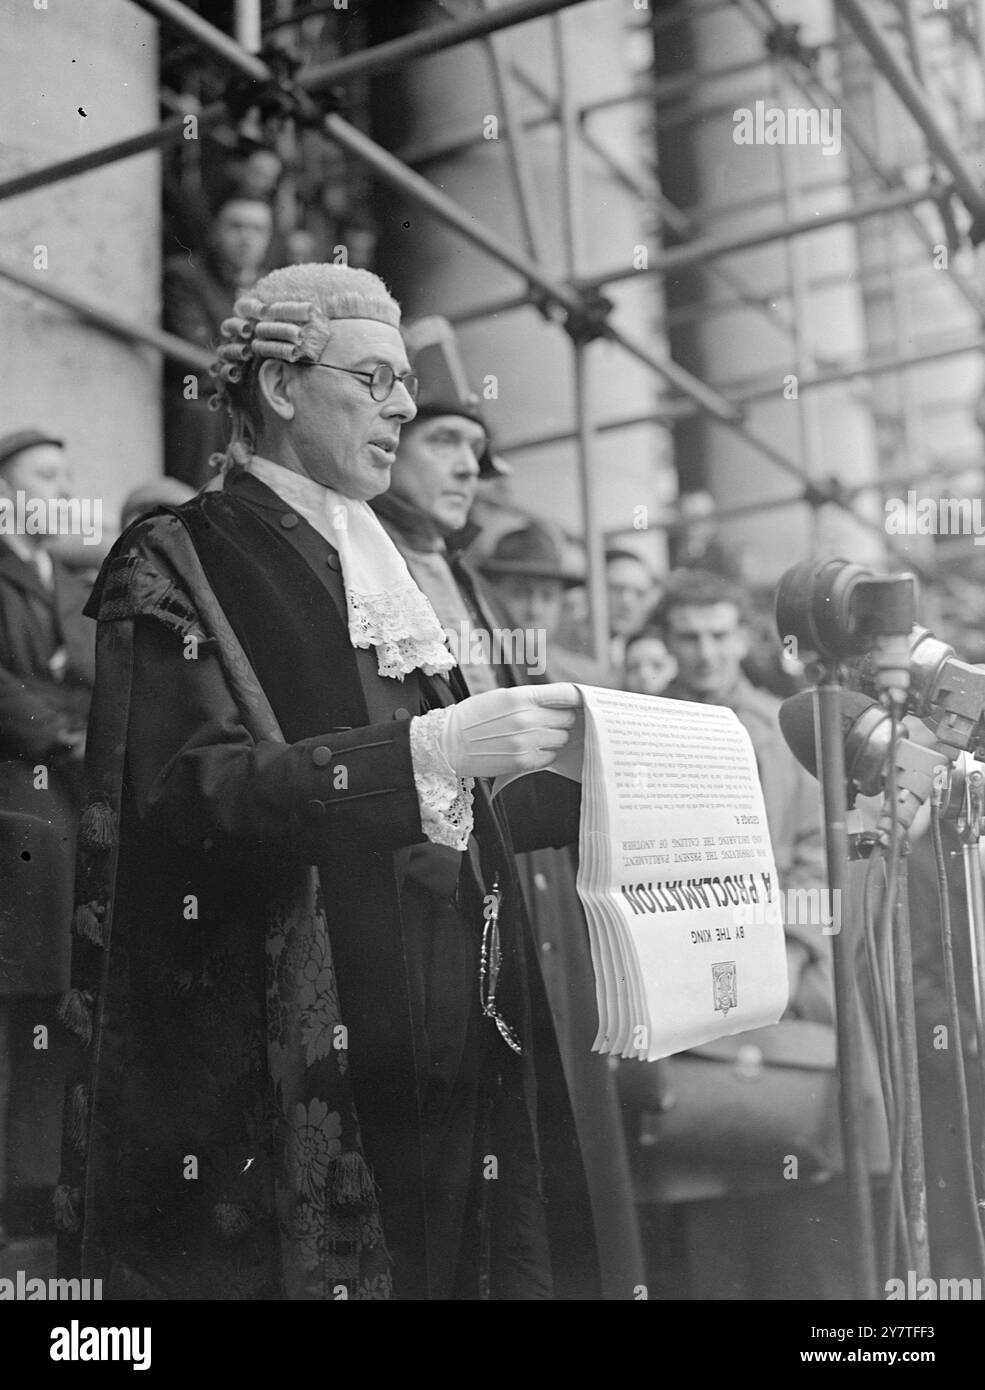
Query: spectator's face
[708, 644]
[532, 602]
[630, 595]
[649, 667]
[574, 606]
[241, 235]
[260, 173]
[40, 472]
[339, 435]
[438, 469]
[300, 247]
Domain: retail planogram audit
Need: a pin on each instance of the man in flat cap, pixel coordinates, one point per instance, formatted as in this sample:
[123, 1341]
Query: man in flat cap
[306, 1073]
[46, 674]
[530, 573]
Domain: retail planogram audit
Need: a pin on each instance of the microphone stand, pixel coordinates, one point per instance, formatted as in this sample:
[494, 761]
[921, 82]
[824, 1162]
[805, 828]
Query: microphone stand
[831, 764]
[914, 1172]
[970, 826]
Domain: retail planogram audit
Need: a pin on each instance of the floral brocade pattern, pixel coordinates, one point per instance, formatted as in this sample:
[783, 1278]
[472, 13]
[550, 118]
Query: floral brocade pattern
[321, 1223]
[316, 1138]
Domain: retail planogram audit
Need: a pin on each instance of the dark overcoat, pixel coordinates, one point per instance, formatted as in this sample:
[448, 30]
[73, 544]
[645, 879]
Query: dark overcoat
[47, 658]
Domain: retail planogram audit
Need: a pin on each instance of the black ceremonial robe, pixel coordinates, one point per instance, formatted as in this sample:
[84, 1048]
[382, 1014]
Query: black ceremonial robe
[288, 1088]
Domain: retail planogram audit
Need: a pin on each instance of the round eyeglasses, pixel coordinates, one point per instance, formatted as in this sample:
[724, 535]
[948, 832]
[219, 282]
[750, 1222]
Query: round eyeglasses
[382, 379]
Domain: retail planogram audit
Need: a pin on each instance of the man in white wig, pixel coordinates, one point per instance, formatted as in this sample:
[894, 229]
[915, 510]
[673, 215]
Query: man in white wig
[306, 1070]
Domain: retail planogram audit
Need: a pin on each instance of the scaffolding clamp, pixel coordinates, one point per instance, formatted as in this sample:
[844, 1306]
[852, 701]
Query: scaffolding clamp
[783, 41]
[829, 489]
[590, 319]
[976, 227]
[281, 97]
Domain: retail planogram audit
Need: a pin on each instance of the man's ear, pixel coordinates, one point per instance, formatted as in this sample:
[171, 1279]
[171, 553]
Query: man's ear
[744, 632]
[276, 387]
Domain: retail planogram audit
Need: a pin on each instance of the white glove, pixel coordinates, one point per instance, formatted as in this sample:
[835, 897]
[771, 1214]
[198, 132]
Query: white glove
[511, 731]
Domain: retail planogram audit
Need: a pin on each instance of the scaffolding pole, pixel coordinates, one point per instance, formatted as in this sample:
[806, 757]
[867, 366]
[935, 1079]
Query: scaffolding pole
[679, 222]
[175, 348]
[818, 93]
[704, 397]
[384, 57]
[246, 25]
[711, 248]
[516, 155]
[167, 134]
[397, 175]
[679, 408]
[874, 366]
[693, 309]
[302, 13]
[798, 280]
[914, 98]
[442, 146]
[659, 416]
[582, 381]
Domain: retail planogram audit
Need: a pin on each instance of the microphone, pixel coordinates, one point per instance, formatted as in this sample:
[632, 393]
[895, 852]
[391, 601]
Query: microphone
[867, 729]
[838, 609]
[947, 694]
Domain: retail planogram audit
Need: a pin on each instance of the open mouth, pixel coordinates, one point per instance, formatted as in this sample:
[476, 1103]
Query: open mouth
[385, 449]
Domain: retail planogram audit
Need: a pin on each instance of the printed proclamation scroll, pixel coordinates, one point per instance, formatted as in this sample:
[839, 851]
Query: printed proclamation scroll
[676, 875]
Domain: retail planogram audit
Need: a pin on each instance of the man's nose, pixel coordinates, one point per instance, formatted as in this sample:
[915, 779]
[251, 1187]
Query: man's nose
[399, 405]
[466, 462]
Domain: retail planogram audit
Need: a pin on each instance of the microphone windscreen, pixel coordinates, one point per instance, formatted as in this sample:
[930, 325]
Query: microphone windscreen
[797, 722]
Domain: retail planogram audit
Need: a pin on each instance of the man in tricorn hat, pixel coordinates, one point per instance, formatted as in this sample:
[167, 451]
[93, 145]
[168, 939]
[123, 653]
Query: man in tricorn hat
[309, 1073]
[443, 456]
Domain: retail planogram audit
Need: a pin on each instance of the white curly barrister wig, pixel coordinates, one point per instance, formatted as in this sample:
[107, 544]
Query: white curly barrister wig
[287, 315]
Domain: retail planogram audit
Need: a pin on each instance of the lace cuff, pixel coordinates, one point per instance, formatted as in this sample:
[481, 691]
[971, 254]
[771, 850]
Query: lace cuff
[446, 800]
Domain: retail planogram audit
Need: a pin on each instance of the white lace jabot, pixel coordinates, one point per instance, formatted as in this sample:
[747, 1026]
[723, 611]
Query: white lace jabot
[386, 608]
[387, 611]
